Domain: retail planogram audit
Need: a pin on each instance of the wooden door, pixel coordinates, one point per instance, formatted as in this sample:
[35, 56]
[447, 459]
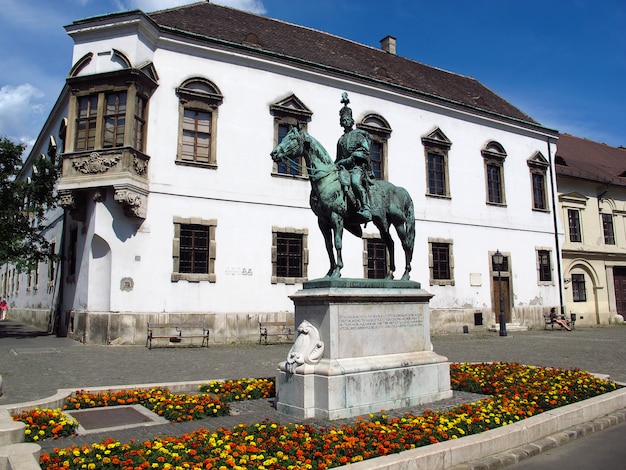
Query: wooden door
[619, 284]
[506, 300]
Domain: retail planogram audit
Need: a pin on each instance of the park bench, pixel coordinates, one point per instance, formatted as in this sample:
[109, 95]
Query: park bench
[276, 329]
[551, 321]
[176, 332]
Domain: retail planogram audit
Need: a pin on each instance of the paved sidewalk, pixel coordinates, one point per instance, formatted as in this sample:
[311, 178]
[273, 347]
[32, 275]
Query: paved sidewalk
[34, 366]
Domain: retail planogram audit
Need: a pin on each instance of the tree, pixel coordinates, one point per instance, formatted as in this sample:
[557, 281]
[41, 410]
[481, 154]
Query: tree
[24, 202]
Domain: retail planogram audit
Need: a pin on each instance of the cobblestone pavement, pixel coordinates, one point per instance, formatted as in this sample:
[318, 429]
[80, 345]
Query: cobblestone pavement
[35, 366]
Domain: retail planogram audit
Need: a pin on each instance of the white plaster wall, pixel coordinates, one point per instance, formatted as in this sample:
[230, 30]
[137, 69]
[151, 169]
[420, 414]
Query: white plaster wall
[246, 200]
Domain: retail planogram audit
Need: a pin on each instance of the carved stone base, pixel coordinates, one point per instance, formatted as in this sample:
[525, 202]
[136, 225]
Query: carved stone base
[374, 341]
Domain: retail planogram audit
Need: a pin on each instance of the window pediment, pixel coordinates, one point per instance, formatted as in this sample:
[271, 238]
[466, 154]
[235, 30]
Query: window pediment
[375, 124]
[200, 89]
[573, 198]
[538, 161]
[493, 149]
[291, 106]
[437, 138]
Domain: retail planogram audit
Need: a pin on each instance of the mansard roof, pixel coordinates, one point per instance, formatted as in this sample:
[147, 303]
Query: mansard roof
[315, 49]
[585, 159]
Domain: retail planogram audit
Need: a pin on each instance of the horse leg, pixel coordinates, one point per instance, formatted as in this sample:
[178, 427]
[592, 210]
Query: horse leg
[407, 247]
[386, 236]
[337, 223]
[328, 241]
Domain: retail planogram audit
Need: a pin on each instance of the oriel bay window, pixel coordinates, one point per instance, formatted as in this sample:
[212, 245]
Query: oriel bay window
[109, 112]
[105, 136]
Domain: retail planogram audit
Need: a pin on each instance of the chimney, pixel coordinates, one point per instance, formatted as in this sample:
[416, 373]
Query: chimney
[388, 44]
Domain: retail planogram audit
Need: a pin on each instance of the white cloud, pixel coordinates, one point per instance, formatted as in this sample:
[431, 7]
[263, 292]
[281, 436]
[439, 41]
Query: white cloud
[253, 6]
[20, 112]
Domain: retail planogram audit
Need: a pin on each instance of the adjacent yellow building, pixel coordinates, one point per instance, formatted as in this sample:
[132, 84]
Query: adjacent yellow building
[591, 179]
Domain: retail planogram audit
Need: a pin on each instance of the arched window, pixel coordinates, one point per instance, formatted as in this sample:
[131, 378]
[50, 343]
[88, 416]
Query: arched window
[380, 130]
[494, 154]
[199, 100]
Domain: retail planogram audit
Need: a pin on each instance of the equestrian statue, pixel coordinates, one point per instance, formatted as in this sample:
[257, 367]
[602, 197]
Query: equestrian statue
[344, 193]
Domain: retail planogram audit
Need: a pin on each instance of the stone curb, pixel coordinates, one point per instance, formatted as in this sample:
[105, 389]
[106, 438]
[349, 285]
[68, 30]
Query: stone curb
[24, 456]
[486, 451]
[491, 449]
[15, 454]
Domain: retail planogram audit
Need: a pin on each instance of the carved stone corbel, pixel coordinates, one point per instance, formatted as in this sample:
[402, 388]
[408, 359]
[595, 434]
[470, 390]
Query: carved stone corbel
[66, 199]
[135, 203]
[69, 202]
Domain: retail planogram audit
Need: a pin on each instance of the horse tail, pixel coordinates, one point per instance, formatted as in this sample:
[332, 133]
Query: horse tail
[409, 221]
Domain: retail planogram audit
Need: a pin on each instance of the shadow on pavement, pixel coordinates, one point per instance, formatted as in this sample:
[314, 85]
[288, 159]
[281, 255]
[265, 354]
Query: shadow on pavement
[11, 329]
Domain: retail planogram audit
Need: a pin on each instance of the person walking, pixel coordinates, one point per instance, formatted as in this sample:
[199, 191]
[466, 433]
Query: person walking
[3, 309]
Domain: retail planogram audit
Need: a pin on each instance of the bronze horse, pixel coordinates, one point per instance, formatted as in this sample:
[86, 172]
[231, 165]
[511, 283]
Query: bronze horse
[390, 205]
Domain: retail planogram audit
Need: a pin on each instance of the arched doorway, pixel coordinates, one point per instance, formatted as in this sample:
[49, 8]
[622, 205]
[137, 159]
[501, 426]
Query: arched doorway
[99, 294]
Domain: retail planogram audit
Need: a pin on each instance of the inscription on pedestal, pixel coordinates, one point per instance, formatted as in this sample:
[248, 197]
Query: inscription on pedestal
[368, 321]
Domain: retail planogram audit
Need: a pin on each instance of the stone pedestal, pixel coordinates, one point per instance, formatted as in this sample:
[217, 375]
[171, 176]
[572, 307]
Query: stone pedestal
[363, 346]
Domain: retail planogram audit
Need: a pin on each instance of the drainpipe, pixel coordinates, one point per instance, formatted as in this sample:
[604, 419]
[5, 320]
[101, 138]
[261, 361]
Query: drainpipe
[556, 227]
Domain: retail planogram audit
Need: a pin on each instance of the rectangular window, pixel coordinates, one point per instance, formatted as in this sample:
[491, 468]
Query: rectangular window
[579, 291]
[494, 183]
[376, 259]
[86, 123]
[441, 261]
[545, 268]
[607, 227]
[436, 174]
[376, 158]
[539, 191]
[573, 217]
[196, 136]
[289, 255]
[114, 120]
[139, 123]
[194, 249]
[287, 167]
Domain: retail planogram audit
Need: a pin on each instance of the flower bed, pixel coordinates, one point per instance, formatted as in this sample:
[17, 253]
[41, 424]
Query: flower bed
[45, 424]
[176, 407]
[517, 392]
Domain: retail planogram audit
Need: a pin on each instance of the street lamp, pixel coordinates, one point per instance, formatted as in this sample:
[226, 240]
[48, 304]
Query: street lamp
[498, 259]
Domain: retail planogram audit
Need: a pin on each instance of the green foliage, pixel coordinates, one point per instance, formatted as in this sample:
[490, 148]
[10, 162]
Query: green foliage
[24, 201]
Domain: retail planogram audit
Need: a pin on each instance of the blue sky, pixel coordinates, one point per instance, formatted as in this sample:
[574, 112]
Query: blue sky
[563, 62]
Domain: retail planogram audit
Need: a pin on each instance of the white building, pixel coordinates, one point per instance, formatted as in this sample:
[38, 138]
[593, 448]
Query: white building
[175, 210]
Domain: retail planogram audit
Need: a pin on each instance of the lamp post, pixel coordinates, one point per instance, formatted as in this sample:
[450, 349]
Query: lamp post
[498, 259]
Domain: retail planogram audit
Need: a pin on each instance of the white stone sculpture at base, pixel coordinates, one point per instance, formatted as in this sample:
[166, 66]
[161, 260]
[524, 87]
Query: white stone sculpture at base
[307, 350]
